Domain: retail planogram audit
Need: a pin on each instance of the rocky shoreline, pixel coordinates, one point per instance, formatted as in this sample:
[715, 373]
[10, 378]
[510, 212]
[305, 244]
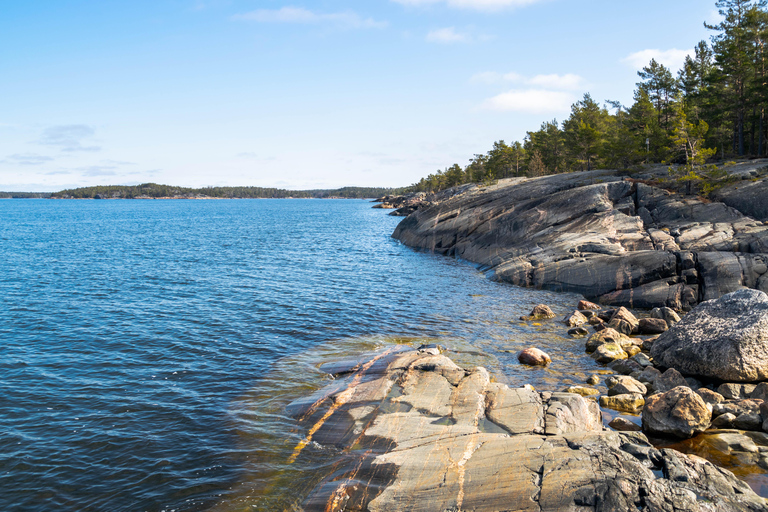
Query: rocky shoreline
[414, 431]
[617, 239]
[417, 432]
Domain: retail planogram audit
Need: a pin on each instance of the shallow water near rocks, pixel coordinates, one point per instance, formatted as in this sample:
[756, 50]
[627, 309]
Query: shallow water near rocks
[150, 347]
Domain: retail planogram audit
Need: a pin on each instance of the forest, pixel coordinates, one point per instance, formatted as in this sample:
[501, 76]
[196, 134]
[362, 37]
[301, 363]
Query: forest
[153, 190]
[710, 110]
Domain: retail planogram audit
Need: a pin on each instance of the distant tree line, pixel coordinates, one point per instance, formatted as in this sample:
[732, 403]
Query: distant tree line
[24, 195]
[154, 190]
[715, 106]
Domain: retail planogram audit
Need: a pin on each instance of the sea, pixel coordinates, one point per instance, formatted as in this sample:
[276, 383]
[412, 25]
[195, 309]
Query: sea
[149, 347]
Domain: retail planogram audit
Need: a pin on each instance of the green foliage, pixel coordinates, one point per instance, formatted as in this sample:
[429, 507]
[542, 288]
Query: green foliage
[715, 106]
[155, 191]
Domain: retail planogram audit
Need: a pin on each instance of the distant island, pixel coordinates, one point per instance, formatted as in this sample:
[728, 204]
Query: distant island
[156, 191]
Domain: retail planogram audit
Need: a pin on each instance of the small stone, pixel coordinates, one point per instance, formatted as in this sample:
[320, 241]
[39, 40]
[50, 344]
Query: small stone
[737, 407]
[624, 425]
[669, 315]
[724, 421]
[625, 366]
[642, 359]
[534, 357]
[735, 391]
[623, 384]
[585, 304]
[679, 412]
[624, 321]
[627, 403]
[582, 390]
[748, 421]
[593, 380]
[574, 319]
[609, 352]
[632, 350]
[651, 326]
[709, 396]
[539, 312]
[604, 336]
[595, 320]
[578, 332]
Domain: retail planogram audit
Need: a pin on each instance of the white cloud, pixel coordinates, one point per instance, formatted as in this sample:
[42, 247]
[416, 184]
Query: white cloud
[673, 58]
[480, 5]
[566, 82]
[299, 15]
[569, 81]
[532, 101]
[448, 35]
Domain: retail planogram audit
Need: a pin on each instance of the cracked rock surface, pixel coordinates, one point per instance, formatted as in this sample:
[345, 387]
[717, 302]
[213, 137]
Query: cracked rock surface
[597, 233]
[415, 432]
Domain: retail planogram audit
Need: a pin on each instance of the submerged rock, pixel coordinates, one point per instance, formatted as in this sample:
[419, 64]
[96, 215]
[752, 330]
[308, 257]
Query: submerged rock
[609, 352]
[534, 357]
[604, 336]
[539, 312]
[726, 339]
[628, 402]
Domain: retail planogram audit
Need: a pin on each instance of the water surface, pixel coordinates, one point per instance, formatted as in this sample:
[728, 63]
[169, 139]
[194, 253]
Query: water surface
[149, 346]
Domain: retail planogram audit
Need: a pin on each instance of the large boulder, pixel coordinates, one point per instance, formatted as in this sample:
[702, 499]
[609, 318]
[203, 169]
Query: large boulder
[725, 338]
[679, 412]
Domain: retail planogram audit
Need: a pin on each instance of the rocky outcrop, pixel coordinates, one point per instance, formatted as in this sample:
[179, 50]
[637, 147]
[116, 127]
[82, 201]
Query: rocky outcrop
[724, 339]
[415, 432]
[610, 238]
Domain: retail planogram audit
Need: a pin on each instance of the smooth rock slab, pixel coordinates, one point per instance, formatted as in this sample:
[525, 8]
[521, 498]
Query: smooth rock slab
[401, 458]
[726, 339]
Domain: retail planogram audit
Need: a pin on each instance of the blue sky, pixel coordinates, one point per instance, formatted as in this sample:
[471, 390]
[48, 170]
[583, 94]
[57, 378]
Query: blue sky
[305, 94]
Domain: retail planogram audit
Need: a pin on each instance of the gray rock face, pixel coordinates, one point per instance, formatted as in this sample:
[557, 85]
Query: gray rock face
[726, 339]
[679, 412]
[471, 444]
[595, 233]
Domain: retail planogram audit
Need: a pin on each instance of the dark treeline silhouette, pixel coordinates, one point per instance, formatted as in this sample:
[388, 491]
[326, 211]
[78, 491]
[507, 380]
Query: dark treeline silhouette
[715, 107]
[153, 190]
[24, 195]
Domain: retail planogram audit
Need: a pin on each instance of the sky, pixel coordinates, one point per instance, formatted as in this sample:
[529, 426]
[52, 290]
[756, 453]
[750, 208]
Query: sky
[305, 94]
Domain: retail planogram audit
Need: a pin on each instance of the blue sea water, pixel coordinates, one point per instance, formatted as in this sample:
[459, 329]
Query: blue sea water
[131, 331]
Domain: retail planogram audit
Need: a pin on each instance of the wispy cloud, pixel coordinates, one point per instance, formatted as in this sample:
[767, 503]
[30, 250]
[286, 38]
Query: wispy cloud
[299, 15]
[28, 159]
[531, 101]
[566, 82]
[448, 35]
[480, 5]
[68, 137]
[98, 170]
[673, 58]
